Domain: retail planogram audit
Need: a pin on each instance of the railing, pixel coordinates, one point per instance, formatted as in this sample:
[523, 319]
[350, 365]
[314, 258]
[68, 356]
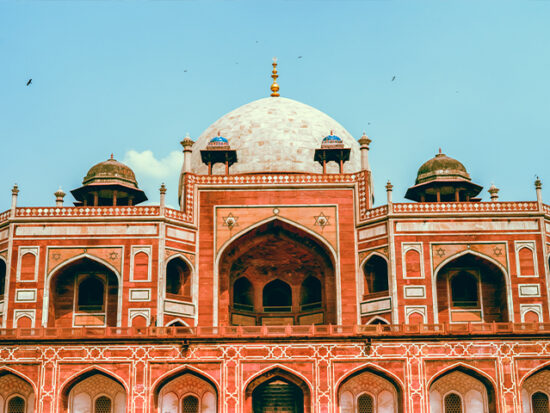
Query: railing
[90, 212]
[106, 211]
[465, 207]
[296, 331]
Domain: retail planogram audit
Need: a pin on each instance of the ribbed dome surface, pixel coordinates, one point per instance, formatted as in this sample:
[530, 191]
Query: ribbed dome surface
[441, 166]
[110, 171]
[276, 134]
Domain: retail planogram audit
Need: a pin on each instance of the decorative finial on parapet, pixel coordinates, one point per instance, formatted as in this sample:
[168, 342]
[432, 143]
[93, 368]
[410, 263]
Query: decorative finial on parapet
[112, 156]
[364, 141]
[14, 192]
[187, 142]
[274, 75]
[389, 190]
[538, 188]
[162, 191]
[493, 190]
[59, 195]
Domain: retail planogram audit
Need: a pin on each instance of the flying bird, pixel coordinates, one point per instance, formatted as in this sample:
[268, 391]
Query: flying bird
[185, 71]
[393, 78]
[299, 57]
[29, 82]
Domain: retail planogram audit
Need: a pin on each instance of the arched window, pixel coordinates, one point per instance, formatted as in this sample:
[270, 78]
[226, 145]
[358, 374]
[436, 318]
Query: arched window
[464, 290]
[311, 294]
[103, 405]
[190, 404]
[540, 403]
[453, 403]
[178, 278]
[2, 277]
[141, 266]
[91, 294]
[277, 296]
[376, 275]
[16, 405]
[526, 261]
[243, 294]
[28, 267]
[412, 263]
[365, 404]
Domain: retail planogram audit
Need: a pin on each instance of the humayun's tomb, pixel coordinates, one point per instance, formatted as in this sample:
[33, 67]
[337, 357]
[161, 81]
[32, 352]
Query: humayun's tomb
[276, 286]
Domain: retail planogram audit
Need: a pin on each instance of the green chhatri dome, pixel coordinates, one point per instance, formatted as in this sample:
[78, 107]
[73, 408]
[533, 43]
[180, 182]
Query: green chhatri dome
[111, 171]
[441, 166]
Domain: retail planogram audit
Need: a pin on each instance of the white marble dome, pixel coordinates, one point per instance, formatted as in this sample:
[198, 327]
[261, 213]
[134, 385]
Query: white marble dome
[275, 134]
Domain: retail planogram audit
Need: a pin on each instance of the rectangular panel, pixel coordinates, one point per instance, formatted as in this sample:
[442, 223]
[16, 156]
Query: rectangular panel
[89, 320]
[180, 234]
[309, 319]
[449, 226]
[372, 232]
[243, 320]
[86, 230]
[140, 294]
[179, 308]
[376, 306]
[529, 290]
[277, 321]
[22, 296]
[466, 316]
[415, 292]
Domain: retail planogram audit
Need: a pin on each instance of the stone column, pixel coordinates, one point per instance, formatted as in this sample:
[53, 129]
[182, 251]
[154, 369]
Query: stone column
[14, 192]
[493, 190]
[364, 141]
[59, 195]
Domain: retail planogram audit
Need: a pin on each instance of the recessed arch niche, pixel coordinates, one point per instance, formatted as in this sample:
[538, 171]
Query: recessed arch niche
[254, 269]
[72, 303]
[471, 288]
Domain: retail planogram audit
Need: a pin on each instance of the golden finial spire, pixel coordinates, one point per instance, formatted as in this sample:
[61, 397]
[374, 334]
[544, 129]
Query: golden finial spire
[274, 75]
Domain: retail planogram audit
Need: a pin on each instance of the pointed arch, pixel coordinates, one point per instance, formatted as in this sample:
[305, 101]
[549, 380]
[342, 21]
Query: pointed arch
[73, 380]
[533, 371]
[175, 321]
[475, 254]
[8, 370]
[370, 255]
[379, 372]
[278, 368]
[64, 265]
[377, 320]
[313, 234]
[164, 379]
[275, 373]
[487, 381]
[321, 246]
[375, 369]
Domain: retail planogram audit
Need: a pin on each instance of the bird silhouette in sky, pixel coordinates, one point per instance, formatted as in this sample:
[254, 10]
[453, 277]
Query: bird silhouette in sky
[393, 78]
[29, 82]
[185, 71]
[299, 57]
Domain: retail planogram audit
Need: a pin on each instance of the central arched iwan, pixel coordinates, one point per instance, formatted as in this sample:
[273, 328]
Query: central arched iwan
[277, 273]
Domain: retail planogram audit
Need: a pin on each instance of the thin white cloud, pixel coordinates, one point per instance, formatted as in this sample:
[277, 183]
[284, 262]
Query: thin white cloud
[152, 171]
[146, 165]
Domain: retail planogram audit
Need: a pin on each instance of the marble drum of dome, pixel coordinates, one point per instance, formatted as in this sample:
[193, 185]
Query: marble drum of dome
[276, 134]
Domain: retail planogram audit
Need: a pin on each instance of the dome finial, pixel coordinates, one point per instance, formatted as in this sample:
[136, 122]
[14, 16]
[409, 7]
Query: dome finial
[112, 156]
[274, 75]
[440, 151]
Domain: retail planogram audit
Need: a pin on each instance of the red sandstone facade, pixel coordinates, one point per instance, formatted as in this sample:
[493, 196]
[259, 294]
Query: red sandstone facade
[275, 290]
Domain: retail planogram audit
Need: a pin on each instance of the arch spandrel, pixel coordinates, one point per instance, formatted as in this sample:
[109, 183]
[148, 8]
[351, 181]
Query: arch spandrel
[234, 221]
[58, 257]
[441, 253]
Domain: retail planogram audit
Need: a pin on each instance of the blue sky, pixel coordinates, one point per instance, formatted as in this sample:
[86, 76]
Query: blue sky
[134, 76]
